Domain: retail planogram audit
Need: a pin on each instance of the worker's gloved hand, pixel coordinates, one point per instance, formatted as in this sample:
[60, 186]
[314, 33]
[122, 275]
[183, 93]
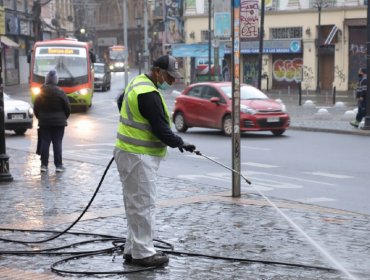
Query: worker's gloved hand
[187, 147]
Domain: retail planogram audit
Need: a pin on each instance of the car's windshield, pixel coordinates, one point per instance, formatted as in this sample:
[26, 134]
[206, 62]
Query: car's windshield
[69, 62]
[246, 92]
[99, 68]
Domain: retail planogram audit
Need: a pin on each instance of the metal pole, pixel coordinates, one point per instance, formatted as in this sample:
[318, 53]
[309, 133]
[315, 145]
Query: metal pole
[262, 26]
[235, 58]
[319, 5]
[5, 176]
[367, 117]
[334, 94]
[209, 40]
[146, 51]
[125, 40]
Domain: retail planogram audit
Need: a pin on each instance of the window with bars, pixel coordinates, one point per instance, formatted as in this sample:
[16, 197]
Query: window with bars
[204, 35]
[8, 4]
[286, 33]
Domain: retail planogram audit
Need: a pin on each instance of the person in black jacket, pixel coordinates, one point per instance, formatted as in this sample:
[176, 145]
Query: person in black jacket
[52, 110]
[361, 93]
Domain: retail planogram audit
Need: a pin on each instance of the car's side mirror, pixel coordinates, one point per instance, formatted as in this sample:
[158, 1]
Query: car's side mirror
[215, 100]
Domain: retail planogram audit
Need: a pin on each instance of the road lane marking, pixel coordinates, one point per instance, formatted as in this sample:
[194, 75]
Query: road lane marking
[255, 148]
[262, 165]
[252, 175]
[96, 144]
[330, 175]
[315, 199]
[89, 153]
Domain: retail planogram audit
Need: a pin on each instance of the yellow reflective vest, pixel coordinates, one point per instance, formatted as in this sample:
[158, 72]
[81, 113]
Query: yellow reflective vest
[134, 132]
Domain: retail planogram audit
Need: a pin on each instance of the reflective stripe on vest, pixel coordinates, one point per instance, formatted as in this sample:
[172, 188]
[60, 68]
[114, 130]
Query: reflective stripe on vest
[138, 142]
[134, 131]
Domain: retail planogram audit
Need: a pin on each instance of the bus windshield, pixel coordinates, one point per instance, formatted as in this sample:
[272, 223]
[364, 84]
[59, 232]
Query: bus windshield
[69, 62]
[116, 54]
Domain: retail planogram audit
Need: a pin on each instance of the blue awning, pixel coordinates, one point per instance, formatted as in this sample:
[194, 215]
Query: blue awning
[195, 50]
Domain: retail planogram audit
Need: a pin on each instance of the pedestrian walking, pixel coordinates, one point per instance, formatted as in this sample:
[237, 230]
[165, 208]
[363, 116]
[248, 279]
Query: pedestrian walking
[52, 110]
[225, 71]
[142, 138]
[361, 93]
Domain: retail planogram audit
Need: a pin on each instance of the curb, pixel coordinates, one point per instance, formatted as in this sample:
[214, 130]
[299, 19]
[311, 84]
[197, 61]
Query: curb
[337, 131]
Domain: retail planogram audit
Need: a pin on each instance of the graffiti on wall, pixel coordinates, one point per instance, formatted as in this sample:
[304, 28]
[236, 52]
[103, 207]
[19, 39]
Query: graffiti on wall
[339, 74]
[307, 77]
[357, 53]
[249, 19]
[173, 21]
[289, 70]
[357, 49]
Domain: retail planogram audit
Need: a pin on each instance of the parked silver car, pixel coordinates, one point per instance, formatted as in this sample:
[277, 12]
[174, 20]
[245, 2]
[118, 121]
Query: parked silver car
[102, 78]
[18, 115]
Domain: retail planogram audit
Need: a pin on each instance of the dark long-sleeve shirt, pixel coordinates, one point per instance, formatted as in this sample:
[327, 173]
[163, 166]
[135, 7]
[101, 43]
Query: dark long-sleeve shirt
[150, 106]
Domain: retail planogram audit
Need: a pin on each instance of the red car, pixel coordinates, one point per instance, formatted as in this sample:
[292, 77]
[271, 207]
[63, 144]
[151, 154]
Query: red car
[209, 105]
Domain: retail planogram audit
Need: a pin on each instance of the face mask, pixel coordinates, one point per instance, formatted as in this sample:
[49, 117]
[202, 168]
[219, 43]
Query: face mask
[164, 85]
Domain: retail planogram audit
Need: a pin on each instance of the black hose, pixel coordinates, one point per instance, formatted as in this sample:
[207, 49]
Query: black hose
[118, 245]
[74, 223]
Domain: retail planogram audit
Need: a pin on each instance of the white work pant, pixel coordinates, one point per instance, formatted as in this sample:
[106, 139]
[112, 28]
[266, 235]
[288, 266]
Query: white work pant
[138, 175]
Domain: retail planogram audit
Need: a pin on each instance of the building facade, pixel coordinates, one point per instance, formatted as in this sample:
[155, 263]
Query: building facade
[22, 22]
[320, 46]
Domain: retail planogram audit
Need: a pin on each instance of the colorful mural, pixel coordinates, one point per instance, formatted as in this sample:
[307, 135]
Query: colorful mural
[173, 21]
[288, 70]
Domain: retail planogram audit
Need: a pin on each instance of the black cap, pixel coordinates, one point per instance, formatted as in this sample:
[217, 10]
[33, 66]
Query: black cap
[169, 64]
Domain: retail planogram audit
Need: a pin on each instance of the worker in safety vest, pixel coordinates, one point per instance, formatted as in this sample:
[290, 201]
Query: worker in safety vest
[143, 135]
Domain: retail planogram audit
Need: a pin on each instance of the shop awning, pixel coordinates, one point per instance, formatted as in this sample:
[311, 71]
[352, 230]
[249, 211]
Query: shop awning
[8, 42]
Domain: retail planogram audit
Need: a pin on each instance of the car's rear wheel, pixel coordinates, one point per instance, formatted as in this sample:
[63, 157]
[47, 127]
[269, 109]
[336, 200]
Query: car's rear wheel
[20, 131]
[278, 132]
[227, 125]
[180, 124]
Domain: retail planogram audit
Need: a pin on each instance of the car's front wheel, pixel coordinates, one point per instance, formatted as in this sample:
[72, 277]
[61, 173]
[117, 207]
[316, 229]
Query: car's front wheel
[278, 132]
[180, 124]
[227, 125]
[20, 131]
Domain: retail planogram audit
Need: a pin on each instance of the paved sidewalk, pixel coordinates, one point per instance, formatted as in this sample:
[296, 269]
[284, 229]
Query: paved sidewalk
[192, 217]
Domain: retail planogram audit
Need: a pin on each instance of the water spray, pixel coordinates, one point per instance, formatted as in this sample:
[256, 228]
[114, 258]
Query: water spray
[289, 220]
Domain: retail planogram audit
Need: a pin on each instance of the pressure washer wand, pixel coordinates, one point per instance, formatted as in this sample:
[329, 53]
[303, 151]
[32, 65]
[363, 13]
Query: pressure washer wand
[219, 163]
